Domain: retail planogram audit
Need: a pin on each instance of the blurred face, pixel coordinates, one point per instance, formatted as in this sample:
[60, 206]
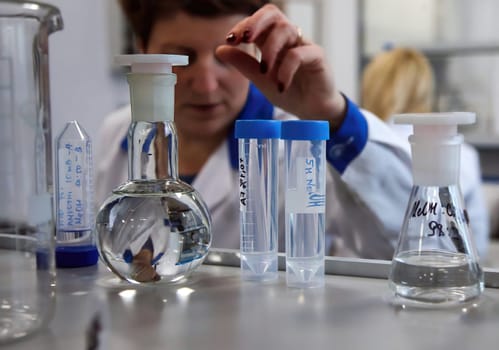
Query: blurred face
[209, 95]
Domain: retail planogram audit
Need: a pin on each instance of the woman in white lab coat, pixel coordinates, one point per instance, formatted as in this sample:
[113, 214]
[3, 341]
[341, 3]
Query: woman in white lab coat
[401, 80]
[369, 177]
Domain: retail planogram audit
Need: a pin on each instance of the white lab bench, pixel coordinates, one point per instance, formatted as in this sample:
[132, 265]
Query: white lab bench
[215, 309]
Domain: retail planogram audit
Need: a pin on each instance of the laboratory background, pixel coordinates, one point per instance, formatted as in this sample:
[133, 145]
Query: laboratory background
[459, 37]
[247, 298]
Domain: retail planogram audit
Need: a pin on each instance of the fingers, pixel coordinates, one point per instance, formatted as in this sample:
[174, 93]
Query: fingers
[242, 61]
[281, 38]
[310, 57]
[276, 39]
[253, 28]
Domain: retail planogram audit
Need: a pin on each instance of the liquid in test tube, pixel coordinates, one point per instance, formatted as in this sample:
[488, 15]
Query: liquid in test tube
[75, 243]
[258, 195]
[305, 201]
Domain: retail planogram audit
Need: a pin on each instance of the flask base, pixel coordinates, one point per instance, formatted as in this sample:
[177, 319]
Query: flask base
[435, 276]
[441, 296]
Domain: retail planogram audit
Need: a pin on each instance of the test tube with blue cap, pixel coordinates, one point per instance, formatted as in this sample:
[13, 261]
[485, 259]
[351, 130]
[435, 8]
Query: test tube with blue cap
[305, 200]
[258, 195]
[75, 242]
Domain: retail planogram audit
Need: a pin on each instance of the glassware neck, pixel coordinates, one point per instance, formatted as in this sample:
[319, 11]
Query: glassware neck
[152, 151]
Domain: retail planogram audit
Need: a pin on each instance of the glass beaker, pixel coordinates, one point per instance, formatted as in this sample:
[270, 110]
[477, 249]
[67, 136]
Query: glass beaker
[435, 260]
[27, 275]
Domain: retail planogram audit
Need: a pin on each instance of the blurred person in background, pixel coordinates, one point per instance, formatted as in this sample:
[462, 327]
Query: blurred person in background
[248, 61]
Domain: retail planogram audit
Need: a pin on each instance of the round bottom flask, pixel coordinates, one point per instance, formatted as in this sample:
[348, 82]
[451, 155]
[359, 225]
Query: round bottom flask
[153, 231]
[153, 228]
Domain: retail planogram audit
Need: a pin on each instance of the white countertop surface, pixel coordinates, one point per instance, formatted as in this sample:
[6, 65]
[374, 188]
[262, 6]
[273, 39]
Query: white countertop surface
[216, 310]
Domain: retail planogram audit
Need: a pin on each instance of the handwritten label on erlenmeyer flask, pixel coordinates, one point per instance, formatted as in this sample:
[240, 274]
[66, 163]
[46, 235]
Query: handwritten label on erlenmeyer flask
[431, 208]
[436, 228]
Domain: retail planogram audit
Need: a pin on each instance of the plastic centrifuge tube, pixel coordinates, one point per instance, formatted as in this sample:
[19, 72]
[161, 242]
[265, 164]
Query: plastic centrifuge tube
[305, 201]
[75, 244]
[258, 166]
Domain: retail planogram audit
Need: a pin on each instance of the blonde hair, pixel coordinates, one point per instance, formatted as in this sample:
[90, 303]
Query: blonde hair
[398, 81]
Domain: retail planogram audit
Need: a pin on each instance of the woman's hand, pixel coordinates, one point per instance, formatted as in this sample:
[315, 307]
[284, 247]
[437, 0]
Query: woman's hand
[292, 72]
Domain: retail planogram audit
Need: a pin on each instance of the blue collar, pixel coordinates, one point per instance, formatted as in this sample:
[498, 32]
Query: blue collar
[124, 144]
[145, 146]
[256, 107]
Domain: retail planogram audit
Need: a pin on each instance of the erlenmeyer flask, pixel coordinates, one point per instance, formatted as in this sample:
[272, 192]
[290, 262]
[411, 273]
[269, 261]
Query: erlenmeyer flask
[435, 260]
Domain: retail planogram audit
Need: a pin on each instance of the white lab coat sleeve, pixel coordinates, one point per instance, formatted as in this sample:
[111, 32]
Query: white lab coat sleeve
[380, 176]
[111, 162]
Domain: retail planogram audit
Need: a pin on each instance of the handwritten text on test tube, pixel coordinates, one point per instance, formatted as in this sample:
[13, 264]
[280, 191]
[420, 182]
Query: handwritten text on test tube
[307, 196]
[242, 182]
[313, 199]
[71, 164]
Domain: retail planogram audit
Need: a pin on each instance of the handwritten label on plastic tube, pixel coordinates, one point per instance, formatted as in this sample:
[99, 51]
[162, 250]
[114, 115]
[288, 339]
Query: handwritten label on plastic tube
[308, 197]
[73, 179]
[243, 183]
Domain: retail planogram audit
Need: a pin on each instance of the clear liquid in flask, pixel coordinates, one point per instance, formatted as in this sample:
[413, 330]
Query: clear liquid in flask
[154, 237]
[435, 276]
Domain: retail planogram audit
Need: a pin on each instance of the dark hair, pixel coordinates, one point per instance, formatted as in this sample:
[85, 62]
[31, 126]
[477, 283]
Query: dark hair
[142, 14]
